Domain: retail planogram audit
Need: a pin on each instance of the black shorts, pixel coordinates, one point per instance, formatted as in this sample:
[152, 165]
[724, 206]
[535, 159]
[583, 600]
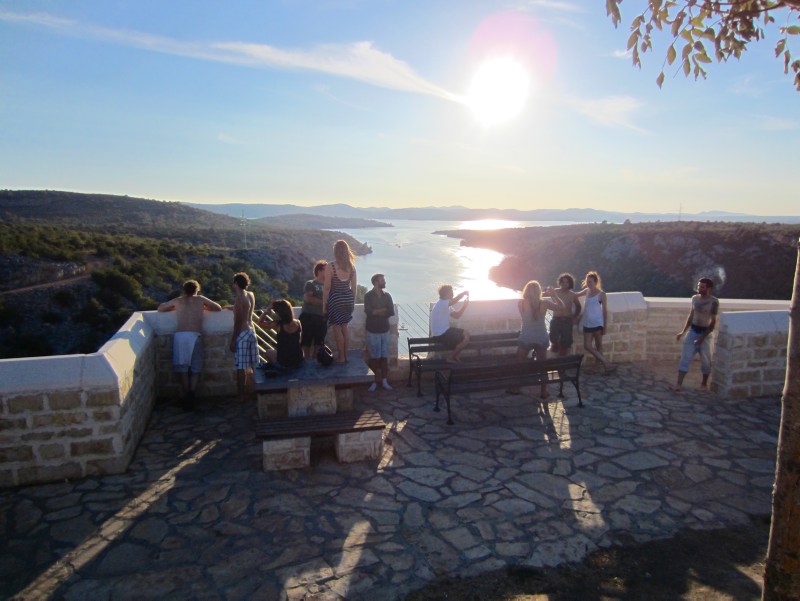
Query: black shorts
[592, 330]
[561, 332]
[451, 338]
[315, 328]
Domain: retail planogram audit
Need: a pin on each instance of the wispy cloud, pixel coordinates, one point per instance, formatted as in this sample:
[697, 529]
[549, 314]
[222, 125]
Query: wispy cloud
[229, 139]
[746, 86]
[767, 123]
[557, 5]
[612, 111]
[622, 54]
[324, 90]
[360, 60]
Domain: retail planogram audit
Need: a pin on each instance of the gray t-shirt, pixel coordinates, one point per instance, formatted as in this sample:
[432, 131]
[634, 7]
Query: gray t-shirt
[315, 288]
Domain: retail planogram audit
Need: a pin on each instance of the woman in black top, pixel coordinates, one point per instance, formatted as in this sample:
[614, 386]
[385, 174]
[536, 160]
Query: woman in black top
[289, 353]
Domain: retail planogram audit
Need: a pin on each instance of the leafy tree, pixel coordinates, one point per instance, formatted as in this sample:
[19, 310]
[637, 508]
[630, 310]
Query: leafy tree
[723, 27]
[730, 26]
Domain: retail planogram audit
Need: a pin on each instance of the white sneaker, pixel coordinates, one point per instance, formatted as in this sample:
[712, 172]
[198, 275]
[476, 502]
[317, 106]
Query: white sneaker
[373, 387]
[386, 385]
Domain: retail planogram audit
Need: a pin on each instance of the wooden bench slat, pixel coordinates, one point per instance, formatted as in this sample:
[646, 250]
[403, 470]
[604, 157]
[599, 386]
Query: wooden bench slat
[477, 343]
[320, 425]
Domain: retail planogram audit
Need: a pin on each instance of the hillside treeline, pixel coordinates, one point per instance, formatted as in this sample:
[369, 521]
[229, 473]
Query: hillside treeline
[74, 267]
[746, 260]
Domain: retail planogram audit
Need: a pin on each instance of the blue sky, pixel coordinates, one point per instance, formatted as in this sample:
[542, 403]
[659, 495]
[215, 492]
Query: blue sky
[368, 103]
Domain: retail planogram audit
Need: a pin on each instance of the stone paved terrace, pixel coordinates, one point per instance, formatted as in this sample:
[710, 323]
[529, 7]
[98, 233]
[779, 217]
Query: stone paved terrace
[196, 517]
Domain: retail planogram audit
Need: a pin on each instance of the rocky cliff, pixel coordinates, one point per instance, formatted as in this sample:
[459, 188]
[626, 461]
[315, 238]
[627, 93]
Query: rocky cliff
[659, 259]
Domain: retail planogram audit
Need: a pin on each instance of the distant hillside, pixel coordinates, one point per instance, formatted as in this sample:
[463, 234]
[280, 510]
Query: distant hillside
[305, 220]
[457, 213]
[746, 260]
[74, 266]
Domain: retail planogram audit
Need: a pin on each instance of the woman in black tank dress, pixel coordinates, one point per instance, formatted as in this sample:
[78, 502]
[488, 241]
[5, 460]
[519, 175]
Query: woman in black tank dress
[289, 353]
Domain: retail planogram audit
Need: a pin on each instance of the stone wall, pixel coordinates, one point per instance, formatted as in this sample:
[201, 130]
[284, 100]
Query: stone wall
[750, 357]
[78, 415]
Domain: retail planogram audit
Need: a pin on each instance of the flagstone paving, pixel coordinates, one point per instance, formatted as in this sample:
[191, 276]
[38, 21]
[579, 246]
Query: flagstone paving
[508, 484]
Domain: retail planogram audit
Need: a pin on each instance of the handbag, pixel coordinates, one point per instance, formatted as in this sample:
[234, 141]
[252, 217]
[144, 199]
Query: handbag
[325, 355]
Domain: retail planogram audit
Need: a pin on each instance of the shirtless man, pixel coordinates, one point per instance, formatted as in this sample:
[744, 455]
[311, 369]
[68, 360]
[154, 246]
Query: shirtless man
[700, 324]
[244, 344]
[566, 316]
[187, 344]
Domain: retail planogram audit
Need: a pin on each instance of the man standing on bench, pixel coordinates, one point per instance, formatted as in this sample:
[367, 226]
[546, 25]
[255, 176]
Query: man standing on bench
[379, 307]
[454, 338]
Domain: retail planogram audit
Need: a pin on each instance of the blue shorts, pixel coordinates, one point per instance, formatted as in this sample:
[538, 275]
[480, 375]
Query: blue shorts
[378, 345]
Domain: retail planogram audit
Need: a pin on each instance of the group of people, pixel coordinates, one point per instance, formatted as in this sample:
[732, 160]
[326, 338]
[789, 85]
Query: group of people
[534, 339]
[329, 301]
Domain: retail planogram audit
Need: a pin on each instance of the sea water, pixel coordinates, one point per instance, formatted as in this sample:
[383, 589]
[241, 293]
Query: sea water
[416, 261]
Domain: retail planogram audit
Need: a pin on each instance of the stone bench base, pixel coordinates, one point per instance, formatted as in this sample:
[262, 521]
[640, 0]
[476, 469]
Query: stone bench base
[295, 453]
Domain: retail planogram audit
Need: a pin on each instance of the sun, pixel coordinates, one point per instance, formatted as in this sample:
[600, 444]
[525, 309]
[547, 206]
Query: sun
[499, 90]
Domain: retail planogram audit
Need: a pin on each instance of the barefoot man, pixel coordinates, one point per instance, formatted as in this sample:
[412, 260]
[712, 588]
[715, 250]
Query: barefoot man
[565, 316]
[187, 345]
[454, 338]
[244, 344]
[700, 324]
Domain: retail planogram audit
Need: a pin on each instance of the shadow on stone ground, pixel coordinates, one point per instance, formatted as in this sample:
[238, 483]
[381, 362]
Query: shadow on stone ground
[695, 565]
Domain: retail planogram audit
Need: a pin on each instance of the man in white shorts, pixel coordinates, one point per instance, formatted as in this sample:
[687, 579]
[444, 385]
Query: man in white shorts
[187, 343]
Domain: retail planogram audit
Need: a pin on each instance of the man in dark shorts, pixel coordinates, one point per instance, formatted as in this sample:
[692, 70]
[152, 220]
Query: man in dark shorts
[315, 325]
[565, 318]
[454, 338]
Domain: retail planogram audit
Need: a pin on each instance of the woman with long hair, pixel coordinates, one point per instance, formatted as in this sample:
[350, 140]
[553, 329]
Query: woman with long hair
[288, 354]
[533, 334]
[339, 296]
[595, 318]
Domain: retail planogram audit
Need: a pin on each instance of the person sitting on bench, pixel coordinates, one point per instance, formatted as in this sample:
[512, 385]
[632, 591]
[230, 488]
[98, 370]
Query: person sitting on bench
[289, 353]
[453, 338]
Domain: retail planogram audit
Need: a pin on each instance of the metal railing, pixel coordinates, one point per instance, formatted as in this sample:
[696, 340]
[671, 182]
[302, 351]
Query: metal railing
[413, 320]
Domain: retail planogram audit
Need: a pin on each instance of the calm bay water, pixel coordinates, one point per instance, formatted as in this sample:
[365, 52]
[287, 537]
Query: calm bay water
[416, 262]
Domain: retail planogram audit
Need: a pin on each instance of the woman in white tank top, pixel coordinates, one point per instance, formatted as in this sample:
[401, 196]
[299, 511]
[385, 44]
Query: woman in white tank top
[595, 317]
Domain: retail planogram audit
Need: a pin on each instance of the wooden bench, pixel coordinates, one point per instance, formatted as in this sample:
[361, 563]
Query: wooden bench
[319, 425]
[478, 344]
[461, 378]
[286, 441]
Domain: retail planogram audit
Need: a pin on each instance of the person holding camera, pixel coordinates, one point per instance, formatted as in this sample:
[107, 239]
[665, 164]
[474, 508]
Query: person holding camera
[453, 338]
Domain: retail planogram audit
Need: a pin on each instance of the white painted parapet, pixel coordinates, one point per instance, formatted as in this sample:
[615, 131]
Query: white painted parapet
[750, 355]
[78, 415]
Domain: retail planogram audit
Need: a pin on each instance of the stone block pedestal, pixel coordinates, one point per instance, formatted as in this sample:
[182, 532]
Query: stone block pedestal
[286, 454]
[359, 446]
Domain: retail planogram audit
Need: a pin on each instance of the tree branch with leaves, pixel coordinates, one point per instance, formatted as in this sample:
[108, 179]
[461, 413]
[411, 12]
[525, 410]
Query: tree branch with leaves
[700, 27]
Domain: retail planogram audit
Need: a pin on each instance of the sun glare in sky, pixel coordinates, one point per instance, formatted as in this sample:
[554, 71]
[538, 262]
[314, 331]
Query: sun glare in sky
[499, 90]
